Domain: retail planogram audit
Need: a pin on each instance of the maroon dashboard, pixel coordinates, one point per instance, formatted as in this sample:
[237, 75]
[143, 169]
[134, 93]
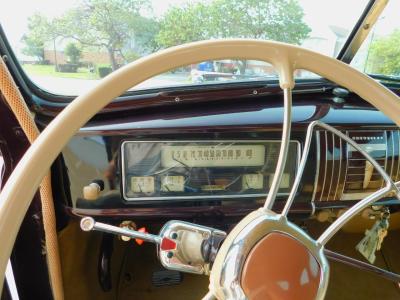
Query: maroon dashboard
[165, 164]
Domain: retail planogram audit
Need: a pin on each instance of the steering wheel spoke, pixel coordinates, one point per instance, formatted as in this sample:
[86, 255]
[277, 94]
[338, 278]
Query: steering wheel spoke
[284, 149]
[286, 82]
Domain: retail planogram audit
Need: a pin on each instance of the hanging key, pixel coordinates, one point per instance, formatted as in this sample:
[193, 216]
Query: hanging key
[368, 245]
[374, 237]
[383, 230]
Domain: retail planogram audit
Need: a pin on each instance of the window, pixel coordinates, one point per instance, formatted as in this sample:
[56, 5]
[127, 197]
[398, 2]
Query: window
[67, 46]
[380, 52]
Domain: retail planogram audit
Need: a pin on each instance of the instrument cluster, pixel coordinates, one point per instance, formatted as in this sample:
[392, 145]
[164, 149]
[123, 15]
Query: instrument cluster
[162, 170]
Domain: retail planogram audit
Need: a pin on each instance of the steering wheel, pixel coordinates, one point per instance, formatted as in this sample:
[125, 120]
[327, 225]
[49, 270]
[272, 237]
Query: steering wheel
[246, 265]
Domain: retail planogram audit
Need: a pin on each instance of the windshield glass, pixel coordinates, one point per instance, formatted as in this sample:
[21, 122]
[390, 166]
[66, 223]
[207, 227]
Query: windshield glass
[65, 47]
[380, 52]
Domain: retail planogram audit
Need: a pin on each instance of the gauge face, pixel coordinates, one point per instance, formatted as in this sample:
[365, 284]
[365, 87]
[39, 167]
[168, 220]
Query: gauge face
[202, 169]
[172, 183]
[252, 181]
[142, 184]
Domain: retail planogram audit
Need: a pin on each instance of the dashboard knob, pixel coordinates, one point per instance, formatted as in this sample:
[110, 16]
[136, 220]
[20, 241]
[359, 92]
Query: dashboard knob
[92, 191]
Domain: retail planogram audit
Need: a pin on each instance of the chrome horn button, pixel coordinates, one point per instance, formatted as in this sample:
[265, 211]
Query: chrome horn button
[232, 278]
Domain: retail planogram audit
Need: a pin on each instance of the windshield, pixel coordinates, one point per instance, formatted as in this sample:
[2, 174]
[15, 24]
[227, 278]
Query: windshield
[65, 47]
[380, 52]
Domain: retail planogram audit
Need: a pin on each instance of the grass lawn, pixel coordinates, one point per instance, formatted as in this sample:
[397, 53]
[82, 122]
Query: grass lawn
[49, 70]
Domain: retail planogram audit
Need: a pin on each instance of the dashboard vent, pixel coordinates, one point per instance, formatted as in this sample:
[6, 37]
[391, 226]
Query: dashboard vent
[331, 166]
[344, 173]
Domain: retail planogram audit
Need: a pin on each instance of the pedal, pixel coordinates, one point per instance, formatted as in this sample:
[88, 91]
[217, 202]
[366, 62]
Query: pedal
[166, 278]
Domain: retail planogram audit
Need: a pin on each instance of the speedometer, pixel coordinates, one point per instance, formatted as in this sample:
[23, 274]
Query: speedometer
[162, 170]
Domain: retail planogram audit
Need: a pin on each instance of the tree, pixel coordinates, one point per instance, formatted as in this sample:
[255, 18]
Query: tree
[40, 31]
[145, 30]
[384, 55]
[33, 47]
[191, 22]
[107, 24]
[279, 20]
[73, 52]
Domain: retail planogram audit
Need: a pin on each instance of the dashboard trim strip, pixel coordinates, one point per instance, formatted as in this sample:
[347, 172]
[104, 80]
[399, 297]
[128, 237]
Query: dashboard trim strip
[392, 156]
[326, 164]
[340, 167]
[317, 167]
[386, 155]
[398, 155]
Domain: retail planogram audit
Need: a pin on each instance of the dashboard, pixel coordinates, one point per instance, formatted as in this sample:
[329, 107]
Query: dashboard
[219, 163]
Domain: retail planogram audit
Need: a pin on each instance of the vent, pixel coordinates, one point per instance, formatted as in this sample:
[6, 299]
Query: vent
[345, 174]
[332, 166]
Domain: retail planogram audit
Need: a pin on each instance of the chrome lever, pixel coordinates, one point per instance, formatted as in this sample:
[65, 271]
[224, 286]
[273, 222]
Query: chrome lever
[182, 246]
[89, 224]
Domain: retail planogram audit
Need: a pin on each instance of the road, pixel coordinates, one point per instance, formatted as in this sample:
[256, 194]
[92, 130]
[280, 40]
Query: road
[73, 87]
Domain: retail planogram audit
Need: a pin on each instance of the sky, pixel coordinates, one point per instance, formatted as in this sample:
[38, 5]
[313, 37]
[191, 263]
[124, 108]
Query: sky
[319, 14]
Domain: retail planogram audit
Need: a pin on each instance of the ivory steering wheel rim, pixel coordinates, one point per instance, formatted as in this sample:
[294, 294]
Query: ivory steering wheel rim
[21, 186]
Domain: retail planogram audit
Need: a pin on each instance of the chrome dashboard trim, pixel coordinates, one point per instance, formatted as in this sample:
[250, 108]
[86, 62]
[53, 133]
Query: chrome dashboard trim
[318, 164]
[386, 153]
[389, 183]
[347, 166]
[165, 198]
[326, 164]
[392, 167]
[398, 154]
[340, 167]
[333, 167]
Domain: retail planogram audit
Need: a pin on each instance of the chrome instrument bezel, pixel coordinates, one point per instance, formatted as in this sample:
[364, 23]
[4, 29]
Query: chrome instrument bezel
[169, 198]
